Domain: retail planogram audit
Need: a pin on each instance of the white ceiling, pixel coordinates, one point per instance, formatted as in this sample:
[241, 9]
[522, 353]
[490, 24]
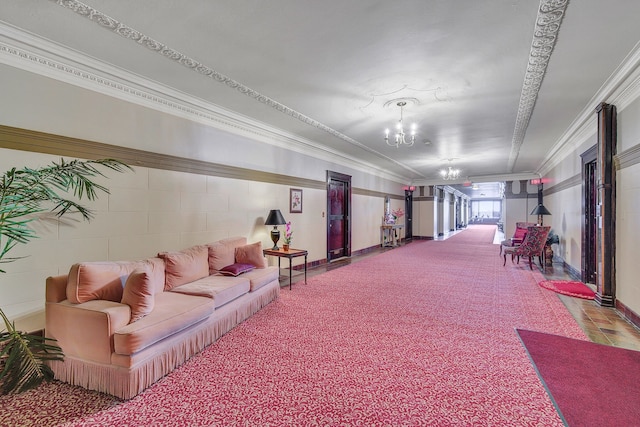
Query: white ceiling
[332, 71]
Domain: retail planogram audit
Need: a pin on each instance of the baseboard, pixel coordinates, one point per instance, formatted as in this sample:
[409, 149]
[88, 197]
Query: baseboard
[573, 272]
[628, 314]
[422, 237]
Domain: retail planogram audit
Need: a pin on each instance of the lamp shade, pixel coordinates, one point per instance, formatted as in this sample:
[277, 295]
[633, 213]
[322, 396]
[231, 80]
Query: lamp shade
[540, 210]
[275, 218]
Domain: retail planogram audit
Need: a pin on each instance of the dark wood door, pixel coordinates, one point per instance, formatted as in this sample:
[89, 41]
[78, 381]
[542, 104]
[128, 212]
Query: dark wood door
[408, 209]
[590, 225]
[338, 215]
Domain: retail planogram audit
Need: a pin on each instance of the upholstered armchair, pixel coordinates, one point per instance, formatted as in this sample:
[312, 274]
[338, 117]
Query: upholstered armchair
[532, 245]
[518, 235]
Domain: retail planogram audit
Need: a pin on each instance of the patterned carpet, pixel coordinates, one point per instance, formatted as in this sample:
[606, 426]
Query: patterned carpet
[419, 335]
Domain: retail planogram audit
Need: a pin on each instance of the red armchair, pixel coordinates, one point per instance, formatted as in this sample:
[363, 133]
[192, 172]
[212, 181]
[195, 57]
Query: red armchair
[533, 245]
[518, 235]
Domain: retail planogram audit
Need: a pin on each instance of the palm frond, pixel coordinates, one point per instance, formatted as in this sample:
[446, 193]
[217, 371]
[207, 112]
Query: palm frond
[23, 357]
[24, 193]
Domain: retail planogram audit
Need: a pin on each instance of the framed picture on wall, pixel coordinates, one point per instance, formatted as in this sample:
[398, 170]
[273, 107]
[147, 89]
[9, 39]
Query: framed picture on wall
[295, 200]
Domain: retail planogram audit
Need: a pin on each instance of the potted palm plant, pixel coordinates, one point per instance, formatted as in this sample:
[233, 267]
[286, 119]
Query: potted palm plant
[25, 194]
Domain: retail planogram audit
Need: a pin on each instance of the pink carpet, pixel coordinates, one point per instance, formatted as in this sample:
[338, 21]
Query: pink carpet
[591, 384]
[419, 335]
[569, 287]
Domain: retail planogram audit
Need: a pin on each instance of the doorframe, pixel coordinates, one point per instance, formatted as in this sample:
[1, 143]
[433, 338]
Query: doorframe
[408, 209]
[589, 216]
[337, 176]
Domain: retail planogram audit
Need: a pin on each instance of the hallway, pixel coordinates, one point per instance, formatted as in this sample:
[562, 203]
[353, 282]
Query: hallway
[603, 325]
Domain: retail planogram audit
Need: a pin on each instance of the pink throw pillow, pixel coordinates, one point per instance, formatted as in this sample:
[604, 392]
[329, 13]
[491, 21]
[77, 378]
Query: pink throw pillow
[96, 280]
[250, 254]
[220, 255]
[185, 266]
[138, 294]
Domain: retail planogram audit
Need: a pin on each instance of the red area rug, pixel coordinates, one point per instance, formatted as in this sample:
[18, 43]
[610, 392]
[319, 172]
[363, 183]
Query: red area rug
[591, 384]
[568, 287]
[420, 335]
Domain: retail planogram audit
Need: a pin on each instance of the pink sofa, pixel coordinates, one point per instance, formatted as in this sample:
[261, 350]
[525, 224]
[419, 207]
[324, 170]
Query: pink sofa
[124, 325]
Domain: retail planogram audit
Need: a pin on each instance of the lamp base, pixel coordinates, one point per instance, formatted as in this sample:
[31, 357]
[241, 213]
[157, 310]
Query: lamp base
[275, 236]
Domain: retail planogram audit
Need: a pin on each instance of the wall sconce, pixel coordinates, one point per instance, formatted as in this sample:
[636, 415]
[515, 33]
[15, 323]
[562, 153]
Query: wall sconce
[275, 218]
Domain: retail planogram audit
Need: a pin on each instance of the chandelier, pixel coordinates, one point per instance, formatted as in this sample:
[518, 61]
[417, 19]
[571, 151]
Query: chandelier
[400, 135]
[450, 173]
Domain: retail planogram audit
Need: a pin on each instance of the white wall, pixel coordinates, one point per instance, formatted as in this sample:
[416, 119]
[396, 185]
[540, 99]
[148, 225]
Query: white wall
[628, 210]
[153, 210]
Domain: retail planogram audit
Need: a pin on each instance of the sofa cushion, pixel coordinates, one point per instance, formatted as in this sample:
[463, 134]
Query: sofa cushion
[220, 255]
[172, 313]
[105, 279]
[222, 289]
[250, 254]
[185, 266]
[260, 277]
[236, 269]
[139, 293]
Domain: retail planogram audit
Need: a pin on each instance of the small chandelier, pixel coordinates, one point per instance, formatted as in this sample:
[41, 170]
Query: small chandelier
[450, 173]
[400, 135]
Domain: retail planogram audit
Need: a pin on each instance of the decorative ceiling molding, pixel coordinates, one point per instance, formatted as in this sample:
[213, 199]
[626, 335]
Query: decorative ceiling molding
[134, 35]
[621, 89]
[545, 32]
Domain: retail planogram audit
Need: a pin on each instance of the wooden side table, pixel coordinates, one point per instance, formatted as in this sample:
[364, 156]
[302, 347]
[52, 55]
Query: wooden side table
[390, 235]
[291, 253]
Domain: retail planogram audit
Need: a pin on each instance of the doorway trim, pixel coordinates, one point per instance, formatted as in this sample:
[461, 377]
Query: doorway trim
[346, 248]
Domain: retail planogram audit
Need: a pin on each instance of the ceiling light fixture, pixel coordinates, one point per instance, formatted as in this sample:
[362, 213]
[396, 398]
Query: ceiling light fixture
[450, 173]
[400, 135]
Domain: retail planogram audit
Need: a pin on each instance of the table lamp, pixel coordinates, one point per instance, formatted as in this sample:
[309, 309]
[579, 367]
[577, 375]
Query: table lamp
[275, 218]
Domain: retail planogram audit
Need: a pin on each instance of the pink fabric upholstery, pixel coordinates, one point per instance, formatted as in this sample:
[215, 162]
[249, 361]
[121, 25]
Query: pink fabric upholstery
[138, 293]
[172, 313]
[223, 253]
[220, 288]
[520, 233]
[105, 279]
[260, 277]
[251, 254]
[220, 255]
[185, 266]
[86, 330]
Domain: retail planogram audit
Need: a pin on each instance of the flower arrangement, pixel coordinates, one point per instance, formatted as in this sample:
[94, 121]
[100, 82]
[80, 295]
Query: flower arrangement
[288, 234]
[398, 213]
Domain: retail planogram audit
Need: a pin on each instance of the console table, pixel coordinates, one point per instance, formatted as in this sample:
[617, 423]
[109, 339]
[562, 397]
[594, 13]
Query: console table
[390, 235]
[291, 253]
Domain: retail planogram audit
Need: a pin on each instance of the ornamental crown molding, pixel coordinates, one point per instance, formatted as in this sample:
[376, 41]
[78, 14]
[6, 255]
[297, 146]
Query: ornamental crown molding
[546, 29]
[621, 89]
[127, 32]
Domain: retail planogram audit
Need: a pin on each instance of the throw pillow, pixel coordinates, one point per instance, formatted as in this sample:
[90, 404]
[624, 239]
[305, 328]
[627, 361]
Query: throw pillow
[220, 255]
[138, 294]
[185, 266]
[250, 254]
[236, 269]
[96, 280]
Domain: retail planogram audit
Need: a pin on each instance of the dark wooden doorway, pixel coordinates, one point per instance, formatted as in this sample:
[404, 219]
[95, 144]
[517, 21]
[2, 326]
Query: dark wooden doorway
[408, 209]
[338, 215]
[590, 215]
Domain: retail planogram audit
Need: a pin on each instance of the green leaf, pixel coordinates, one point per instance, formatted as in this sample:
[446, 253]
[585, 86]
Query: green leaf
[23, 359]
